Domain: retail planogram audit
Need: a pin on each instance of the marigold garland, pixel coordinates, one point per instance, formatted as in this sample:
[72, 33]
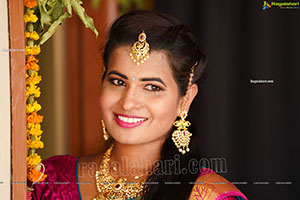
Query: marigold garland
[31, 63]
[33, 175]
[32, 35]
[35, 107]
[49, 21]
[35, 50]
[33, 120]
[36, 144]
[33, 79]
[34, 130]
[30, 3]
[30, 17]
[33, 160]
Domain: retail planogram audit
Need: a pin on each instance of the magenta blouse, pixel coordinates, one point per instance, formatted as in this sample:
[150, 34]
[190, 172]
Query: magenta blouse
[61, 181]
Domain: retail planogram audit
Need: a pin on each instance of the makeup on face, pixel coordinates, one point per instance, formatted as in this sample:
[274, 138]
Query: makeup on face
[142, 110]
[129, 121]
[146, 79]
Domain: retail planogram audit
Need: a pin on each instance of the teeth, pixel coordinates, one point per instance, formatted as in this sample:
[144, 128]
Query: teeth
[130, 120]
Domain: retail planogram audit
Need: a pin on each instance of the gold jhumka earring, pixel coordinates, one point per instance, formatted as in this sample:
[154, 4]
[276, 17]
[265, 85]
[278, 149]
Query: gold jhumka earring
[105, 134]
[182, 137]
[140, 50]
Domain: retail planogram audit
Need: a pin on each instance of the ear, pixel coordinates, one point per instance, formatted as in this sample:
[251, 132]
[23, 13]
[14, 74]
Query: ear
[186, 102]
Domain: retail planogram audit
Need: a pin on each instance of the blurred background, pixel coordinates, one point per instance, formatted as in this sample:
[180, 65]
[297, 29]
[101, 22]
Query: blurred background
[252, 125]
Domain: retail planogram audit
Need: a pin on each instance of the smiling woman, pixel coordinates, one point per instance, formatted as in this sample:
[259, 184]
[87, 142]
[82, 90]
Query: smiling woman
[152, 97]
[153, 66]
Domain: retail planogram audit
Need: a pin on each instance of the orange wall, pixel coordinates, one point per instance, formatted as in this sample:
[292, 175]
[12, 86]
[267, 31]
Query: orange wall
[85, 70]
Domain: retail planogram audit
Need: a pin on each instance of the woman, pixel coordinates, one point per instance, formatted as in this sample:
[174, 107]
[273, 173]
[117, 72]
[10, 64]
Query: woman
[153, 64]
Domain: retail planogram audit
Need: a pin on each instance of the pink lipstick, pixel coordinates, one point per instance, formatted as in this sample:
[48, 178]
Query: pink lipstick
[129, 121]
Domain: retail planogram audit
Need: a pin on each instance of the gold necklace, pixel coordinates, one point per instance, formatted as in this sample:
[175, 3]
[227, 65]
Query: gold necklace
[117, 189]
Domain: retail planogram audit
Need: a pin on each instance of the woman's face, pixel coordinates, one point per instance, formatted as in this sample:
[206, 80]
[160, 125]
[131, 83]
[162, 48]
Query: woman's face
[139, 103]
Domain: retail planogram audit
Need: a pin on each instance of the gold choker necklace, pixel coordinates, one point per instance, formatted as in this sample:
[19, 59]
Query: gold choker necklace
[117, 189]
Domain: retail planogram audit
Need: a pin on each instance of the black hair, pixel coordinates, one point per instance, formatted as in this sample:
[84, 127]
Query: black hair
[168, 34]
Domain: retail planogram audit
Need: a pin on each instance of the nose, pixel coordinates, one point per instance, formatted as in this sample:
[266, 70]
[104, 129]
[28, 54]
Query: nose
[130, 99]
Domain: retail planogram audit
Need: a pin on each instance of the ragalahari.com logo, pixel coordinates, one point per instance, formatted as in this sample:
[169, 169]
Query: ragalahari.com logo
[266, 5]
[281, 5]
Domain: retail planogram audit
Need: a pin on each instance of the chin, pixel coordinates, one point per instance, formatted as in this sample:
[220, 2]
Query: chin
[128, 140]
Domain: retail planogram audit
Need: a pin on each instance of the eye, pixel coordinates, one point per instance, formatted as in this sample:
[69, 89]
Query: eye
[117, 82]
[153, 88]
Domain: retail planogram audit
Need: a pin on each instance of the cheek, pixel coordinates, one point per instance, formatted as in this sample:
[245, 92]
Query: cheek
[165, 110]
[107, 99]
[102, 99]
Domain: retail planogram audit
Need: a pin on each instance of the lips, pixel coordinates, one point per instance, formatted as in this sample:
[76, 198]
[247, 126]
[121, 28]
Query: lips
[129, 121]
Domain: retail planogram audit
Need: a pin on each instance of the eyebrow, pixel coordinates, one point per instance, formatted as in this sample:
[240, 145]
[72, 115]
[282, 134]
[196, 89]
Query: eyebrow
[118, 74]
[153, 79]
[142, 79]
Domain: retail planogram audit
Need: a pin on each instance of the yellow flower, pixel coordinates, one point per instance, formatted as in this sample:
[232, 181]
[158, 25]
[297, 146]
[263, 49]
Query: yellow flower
[33, 79]
[33, 160]
[33, 89]
[35, 50]
[32, 35]
[35, 130]
[35, 144]
[35, 107]
[30, 17]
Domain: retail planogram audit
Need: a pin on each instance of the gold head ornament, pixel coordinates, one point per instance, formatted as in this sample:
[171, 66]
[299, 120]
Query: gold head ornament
[140, 49]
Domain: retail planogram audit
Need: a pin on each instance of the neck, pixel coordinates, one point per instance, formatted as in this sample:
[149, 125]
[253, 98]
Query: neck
[133, 160]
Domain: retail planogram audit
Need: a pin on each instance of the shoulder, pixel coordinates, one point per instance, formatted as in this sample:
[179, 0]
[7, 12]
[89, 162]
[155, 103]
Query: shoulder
[61, 178]
[60, 166]
[60, 160]
[211, 186]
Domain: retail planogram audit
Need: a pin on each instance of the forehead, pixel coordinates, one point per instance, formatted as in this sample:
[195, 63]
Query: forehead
[157, 65]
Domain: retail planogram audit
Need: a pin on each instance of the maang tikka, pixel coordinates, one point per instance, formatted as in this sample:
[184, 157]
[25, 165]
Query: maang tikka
[140, 49]
[182, 137]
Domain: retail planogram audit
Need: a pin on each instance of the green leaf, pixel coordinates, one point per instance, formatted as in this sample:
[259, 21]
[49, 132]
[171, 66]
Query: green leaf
[57, 10]
[54, 12]
[51, 3]
[86, 20]
[44, 15]
[53, 27]
[68, 6]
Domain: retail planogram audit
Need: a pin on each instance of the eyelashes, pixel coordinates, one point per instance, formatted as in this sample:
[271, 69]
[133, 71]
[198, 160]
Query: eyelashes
[116, 82]
[148, 87]
[153, 88]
